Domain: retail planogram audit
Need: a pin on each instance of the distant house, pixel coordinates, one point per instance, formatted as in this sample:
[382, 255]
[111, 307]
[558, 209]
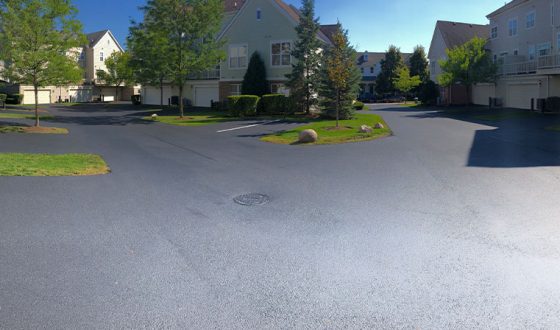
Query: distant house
[448, 35]
[370, 67]
[263, 26]
[91, 58]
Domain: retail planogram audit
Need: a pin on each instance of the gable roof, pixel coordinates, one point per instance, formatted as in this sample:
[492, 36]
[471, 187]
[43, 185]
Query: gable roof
[95, 37]
[506, 7]
[376, 57]
[290, 11]
[328, 30]
[455, 34]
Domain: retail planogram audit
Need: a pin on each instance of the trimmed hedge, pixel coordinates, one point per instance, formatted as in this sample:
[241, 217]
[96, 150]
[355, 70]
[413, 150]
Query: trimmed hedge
[243, 105]
[14, 98]
[359, 105]
[275, 104]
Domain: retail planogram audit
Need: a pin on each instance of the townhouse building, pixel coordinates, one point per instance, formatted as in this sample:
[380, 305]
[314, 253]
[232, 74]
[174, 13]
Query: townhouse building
[369, 64]
[263, 26]
[525, 42]
[91, 58]
[448, 35]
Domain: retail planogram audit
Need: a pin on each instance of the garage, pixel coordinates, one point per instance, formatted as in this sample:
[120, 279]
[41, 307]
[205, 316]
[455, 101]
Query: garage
[80, 95]
[519, 95]
[481, 93]
[204, 95]
[152, 95]
[29, 96]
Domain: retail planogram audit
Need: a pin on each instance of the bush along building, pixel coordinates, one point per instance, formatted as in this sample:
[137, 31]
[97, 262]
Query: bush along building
[91, 58]
[263, 26]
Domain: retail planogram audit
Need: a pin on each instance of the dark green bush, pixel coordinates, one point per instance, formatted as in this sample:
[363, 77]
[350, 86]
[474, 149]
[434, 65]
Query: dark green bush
[220, 106]
[553, 104]
[359, 105]
[428, 93]
[3, 98]
[14, 98]
[243, 105]
[135, 99]
[276, 104]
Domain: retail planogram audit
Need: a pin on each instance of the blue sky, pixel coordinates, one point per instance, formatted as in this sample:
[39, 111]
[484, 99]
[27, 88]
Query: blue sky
[372, 24]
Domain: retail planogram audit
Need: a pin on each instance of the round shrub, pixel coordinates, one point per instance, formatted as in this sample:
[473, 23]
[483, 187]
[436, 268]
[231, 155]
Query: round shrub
[243, 105]
[275, 104]
[359, 105]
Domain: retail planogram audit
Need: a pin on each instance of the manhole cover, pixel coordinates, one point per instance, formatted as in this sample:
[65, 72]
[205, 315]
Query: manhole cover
[251, 199]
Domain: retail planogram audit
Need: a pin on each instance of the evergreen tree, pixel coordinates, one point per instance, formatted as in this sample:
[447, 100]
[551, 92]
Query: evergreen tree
[38, 41]
[254, 81]
[189, 28]
[340, 77]
[389, 67]
[418, 63]
[305, 77]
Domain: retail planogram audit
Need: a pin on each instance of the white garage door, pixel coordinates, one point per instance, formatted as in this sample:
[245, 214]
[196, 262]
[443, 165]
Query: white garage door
[29, 96]
[152, 95]
[519, 95]
[80, 95]
[203, 96]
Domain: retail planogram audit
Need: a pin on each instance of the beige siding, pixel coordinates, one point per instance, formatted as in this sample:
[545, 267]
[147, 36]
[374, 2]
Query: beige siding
[258, 36]
[437, 53]
[107, 46]
[482, 92]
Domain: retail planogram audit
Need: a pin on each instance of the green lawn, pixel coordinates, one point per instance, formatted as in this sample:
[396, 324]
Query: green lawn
[32, 130]
[329, 135]
[555, 128]
[197, 119]
[14, 164]
[8, 115]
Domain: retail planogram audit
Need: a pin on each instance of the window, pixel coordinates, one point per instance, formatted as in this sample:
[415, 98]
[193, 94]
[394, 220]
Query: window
[82, 56]
[515, 52]
[433, 66]
[543, 49]
[362, 70]
[558, 42]
[530, 23]
[277, 88]
[281, 53]
[237, 56]
[259, 14]
[494, 34]
[101, 56]
[512, 24]
[235, 89]
[371, 70]
[495, 58]
[532, 52]
[366, 57]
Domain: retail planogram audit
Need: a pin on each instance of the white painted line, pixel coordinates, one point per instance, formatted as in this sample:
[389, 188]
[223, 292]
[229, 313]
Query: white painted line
[248, 126]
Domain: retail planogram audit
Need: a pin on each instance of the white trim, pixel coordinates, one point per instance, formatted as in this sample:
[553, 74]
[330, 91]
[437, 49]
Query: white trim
[281, 42]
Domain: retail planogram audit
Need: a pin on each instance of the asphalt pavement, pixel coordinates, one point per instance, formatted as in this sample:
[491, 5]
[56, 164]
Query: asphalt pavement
[449, 223]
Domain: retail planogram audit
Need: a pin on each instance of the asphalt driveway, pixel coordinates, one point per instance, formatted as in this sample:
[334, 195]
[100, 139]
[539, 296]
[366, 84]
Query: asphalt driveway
[450, 223]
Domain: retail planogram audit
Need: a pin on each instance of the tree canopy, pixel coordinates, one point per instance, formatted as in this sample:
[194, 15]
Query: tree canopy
[418, 63]
[40, 40]
[404, 82]
[389, 66]
[118, 72]
[189, 28]
[304, 79]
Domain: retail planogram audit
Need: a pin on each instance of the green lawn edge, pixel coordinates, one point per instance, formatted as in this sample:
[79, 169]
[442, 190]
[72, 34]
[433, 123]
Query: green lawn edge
[32, 130]
[21, 164]
[350, 135]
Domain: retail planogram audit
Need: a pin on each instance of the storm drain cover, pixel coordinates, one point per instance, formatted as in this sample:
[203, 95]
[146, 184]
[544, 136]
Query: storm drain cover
[252, 199]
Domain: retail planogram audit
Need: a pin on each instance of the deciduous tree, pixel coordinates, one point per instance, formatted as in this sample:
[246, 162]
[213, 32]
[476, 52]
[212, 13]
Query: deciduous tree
[341, 76]
[40, 42]
[404, 82]
[190, 28]
[119, 72]
[468, 64]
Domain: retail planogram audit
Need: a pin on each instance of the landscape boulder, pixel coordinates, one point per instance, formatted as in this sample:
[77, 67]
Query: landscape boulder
[365, 129]
[307, 136]
[379, 126]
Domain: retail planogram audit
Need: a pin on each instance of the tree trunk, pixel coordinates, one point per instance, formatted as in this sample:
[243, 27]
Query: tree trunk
[181, 101]
[36, 90]
[161, 93]
[116, 93]
[469, 94]
[337, 107]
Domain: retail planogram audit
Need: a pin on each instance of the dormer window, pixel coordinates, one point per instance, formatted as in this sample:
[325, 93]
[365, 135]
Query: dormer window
[366, 57]
[259, 14]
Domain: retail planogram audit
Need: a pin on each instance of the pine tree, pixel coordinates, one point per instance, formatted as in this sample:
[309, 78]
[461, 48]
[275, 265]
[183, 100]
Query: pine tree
[305, 78]
[389, 66]
[254, 81]
[340, 77]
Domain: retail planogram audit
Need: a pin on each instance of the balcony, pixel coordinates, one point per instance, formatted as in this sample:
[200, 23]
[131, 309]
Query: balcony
[549, 64]
[213, 74]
